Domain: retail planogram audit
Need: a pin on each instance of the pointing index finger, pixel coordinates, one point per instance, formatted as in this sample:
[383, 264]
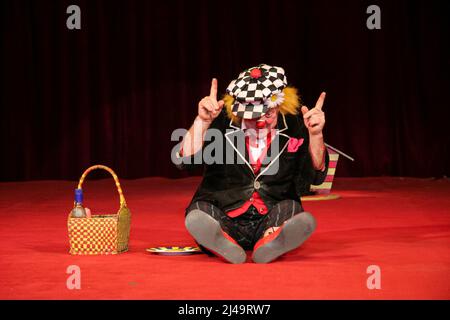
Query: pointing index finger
[213, 91]
[320, 101]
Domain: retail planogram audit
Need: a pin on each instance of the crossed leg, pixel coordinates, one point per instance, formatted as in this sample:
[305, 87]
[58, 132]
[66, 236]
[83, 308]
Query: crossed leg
[286, 227]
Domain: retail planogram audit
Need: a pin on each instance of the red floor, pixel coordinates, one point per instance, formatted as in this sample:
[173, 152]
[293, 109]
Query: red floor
[401, 225]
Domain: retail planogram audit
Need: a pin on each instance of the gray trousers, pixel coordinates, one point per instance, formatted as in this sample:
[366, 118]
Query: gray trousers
[249, 227]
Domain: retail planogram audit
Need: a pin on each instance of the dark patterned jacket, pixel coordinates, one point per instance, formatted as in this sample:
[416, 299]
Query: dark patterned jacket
[283, 175]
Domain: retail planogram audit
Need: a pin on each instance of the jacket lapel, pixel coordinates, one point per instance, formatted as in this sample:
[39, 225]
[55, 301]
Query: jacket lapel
[235, 133]
[281, 144]
[235, 137]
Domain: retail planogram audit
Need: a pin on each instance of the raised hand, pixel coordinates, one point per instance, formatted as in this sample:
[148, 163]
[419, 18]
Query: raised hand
[209, 108]
[314, 119]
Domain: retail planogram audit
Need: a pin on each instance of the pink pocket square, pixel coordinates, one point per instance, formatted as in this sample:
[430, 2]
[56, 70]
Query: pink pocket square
[294, 144]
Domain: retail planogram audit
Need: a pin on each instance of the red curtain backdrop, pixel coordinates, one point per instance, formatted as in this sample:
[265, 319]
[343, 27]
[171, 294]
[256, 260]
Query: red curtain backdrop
[114, 91]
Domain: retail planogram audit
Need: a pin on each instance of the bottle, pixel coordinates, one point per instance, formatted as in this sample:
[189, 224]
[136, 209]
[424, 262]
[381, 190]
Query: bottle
[88, 212]
[78, 210]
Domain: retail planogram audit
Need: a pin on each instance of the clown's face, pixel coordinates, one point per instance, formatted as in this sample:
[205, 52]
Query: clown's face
[260, 127]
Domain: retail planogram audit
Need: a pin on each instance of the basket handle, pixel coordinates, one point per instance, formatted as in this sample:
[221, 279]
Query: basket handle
[116, 179]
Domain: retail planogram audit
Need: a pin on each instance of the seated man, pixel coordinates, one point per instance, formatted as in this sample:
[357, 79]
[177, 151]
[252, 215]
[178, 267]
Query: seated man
[251, 199]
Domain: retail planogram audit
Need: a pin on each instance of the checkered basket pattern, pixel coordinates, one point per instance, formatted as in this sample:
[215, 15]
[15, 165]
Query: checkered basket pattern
[100, 234]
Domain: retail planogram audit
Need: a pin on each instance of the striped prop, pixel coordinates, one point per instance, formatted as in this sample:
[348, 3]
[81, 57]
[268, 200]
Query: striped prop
[325, 187]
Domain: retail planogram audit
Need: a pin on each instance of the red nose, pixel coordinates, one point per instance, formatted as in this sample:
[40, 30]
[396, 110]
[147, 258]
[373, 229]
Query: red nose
[260, 124]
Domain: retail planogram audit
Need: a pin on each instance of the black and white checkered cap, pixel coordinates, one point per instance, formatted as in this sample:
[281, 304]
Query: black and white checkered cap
[252, 94]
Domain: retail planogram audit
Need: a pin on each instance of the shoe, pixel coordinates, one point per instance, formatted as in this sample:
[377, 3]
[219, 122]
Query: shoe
[288, 237]
[208, 233]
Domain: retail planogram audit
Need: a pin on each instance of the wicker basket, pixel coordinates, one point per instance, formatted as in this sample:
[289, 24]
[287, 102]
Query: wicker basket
[100, 234]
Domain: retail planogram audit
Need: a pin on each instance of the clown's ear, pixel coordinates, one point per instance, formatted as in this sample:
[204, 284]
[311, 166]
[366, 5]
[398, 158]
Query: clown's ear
[291, 102]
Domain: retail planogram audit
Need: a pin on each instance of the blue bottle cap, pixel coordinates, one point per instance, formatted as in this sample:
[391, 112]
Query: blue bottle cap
[78, 195]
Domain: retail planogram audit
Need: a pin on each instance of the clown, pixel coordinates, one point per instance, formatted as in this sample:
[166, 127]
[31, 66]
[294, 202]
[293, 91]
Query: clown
[253, 203]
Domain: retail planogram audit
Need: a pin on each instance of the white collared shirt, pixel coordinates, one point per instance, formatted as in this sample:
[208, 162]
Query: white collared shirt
[261, 143]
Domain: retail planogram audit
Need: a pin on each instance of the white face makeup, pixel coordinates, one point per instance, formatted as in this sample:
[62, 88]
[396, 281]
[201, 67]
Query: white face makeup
[260, 127]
